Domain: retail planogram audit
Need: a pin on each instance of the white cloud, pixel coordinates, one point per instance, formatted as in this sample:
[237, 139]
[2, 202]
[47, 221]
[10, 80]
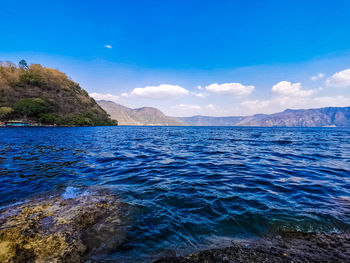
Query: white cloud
[125, 94]
[199, 87]
[162, 91]
[234, 89]
[187, 107]
[340, 79]
[210, 106]
[281, 103]
[329, 101]
[317, 76]
[100, 96]
[286, 88]
[292, 96]
[194, 109]
[256, 105]
[108, 46]
[200, 94]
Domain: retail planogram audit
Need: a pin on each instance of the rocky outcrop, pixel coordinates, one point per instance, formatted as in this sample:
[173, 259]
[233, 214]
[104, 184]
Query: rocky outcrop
[61, 229]
[287, 247]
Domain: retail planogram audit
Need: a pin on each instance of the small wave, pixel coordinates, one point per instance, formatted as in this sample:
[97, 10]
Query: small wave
[12, 204]
[282, 142]
[72, 192]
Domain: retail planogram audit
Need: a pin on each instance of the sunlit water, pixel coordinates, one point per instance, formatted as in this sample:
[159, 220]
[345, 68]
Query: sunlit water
[189, 187]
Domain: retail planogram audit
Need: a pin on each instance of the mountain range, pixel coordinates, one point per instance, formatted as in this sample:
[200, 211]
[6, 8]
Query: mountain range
[147, 116]
[322, 117]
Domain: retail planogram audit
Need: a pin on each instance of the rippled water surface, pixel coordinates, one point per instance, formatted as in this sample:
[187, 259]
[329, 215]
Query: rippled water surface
[189, 187]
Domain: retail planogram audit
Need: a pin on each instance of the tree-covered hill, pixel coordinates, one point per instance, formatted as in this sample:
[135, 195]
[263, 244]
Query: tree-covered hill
[47, 96]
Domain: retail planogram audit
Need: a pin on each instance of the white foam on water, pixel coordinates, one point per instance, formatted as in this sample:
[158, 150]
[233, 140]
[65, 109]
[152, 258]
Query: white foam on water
[72, 192]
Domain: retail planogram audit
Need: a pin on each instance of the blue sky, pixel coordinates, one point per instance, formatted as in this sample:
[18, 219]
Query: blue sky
[190, 57]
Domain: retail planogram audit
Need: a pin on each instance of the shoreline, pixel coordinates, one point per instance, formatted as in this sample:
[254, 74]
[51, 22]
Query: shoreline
[85, 225]
[287, 247]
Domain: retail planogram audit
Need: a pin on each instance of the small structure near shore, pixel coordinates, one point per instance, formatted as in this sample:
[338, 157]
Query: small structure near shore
[17, 123]
[24, 123]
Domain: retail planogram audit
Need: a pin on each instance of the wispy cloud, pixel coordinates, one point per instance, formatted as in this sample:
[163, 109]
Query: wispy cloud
[200, 94]
[278, 104]
[286, 88]
[255, 106]
[288, 95]
[293, 96]
[210, 106]
[340, 79]
[108, 46]
[180, 101]
[100, 96]
[233, 89]
[188, 107]
[163, 91]
[317, 76]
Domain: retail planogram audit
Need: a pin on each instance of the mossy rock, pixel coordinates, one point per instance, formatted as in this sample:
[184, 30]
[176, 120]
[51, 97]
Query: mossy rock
[60, 230]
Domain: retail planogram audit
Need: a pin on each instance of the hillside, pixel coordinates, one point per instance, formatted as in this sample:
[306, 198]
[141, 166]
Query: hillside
[141, 116]
[47, 96]
[322, 117]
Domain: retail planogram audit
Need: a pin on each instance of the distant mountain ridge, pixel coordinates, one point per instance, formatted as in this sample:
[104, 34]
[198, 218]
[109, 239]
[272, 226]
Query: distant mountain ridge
[321, 117]
[142, 116]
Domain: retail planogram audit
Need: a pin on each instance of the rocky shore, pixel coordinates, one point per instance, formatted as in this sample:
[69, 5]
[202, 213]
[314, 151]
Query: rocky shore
[287, 247]
[61, 228]
[83, 226]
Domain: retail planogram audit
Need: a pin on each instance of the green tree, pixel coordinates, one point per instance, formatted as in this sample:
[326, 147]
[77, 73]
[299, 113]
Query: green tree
[23, 64]
[79, 120]
[5, 112]
[32, 107]
[48, 118]
[31, 78]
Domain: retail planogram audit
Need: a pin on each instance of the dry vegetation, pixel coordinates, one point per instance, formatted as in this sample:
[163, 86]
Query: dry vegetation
[46, 95]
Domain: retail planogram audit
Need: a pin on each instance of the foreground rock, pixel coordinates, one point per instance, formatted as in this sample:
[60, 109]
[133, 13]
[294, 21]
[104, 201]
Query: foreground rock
[290, 247]
[61, 230]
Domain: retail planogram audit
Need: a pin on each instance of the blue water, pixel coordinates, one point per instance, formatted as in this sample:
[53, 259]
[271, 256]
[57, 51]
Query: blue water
[189, 187]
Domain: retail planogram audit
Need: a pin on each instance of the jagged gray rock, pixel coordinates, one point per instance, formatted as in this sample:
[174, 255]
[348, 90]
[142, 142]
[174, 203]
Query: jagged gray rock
[293, 247]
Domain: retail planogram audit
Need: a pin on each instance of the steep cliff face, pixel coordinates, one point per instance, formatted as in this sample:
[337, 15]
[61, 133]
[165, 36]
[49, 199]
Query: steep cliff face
[46, 95]
[142, 116]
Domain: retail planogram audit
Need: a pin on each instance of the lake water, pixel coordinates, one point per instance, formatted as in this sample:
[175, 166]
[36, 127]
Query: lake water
[189, 187]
